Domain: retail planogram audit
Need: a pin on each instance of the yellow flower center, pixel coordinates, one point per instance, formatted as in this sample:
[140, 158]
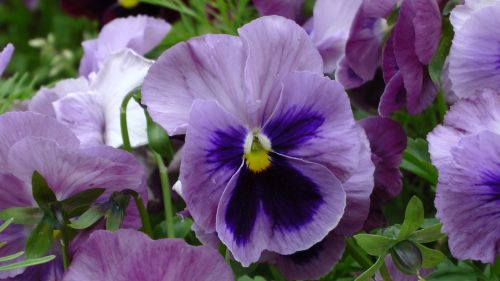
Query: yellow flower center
[128, 4]
[257, 148]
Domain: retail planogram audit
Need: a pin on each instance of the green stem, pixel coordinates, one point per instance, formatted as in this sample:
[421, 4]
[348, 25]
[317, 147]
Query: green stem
[146, 223]
[167, 200]
[123, 122]
[358, 254]
[276, 274]
[385, 273]
[227, 256]
[64, 241]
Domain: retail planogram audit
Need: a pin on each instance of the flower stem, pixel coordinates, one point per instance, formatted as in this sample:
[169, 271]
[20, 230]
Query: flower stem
[65, 255]
[357, 254]
[167, 200]
[123, 122]
[146, 223]
[385, 273]
[276, 274]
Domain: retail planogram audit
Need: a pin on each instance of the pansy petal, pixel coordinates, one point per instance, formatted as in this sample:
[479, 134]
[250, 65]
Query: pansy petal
[314, 262]
[67, 171]
[5, 56]
[286, 8]
[15, 126]
[13, 192]
[213, 152]
[206, 67]
[461, 13]
[346, 76]
[427, 24]
[43, 99]
[50, 271]
[121, 74]
[313, 121]
[473, 68]
[142, 34]
[467, 198]
[83, 115]
[275, 47]
[394, 96]
[130, 255]
[15, 240]
[287, 208]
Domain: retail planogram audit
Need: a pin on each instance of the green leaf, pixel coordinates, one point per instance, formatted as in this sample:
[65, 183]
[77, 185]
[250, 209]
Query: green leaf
[88, 218]
[11, 257]
[26, 263]
[159, 140]
[429, 234]
[41, 191]
[437, 62]
[114, 218]
[416, 160]
[430, 257]
[6, 224]
[372, 270]
[247, 278]
[414, 217]
[80, 202]
[29, 216]
[407, 257]
[40, 240]
[374, 245]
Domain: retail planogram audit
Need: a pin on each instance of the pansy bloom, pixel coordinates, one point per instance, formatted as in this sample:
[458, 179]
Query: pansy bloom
[32, 142]
[5, 56]
[471, 68]
[466, 151]
[408, 51]
[131, 255]
[286, 8]
[269, 141]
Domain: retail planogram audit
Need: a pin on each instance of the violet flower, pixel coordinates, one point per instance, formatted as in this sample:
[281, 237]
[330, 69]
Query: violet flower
[32, 142]
[286, 8]
[130, 255]
[471, 68]
[408, 51]
[269, 141]
[5, 56]
[466, 151]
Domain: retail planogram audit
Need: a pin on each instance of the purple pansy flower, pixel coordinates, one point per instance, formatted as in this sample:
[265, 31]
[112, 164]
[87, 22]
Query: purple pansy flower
[92, 109]
[409, 49]
[286, 8]
[269, 141]
[466, 151]
[142, 34]
[5, 56]
[131, 255]
[33, 142]
[473, 69]
[364, 45]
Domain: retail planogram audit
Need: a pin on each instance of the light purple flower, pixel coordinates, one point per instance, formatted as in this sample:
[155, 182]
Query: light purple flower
[131, 255]
[269, 141]
[466, 151]
[473, 69]
[286, 8]
[33, 142]
[5, 56]
[138, 33]
[409, 49]
[92, 109]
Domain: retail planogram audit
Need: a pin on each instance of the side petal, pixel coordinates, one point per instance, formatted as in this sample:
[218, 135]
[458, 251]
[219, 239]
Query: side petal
[275, 47]
[427, 23]
[5, 56]
[394, 96]
[121, 74]
[287, 208]
[206, 67]
[213, 152]
[313, 121]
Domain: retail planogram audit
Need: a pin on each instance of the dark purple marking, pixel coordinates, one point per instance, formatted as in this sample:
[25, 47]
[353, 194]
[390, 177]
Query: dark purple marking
[227, 148]
[289, 199]
[309, 255]
[492, 181]
[293, 127]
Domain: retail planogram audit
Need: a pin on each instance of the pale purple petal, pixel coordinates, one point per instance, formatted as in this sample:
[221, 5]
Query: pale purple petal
[139, 33]
[130, 255]
[287, 208]
[286, 8]
[471, 68]
[5, 56]
[207, 67]
[461, 13]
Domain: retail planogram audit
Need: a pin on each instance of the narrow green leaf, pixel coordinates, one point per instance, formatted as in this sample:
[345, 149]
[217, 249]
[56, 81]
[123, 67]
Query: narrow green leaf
[26, 263]
[80, 202]
[29, 216]
[41, 190]
[414, 217]
[114, 218]
[430, 257]
[6, 224]
[88, 218]
[11, 257]
[374, 245]
[372, 270]
[40, 240]
[429, 234]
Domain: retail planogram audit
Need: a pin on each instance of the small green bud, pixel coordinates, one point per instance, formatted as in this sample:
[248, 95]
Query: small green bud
[407, 257]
